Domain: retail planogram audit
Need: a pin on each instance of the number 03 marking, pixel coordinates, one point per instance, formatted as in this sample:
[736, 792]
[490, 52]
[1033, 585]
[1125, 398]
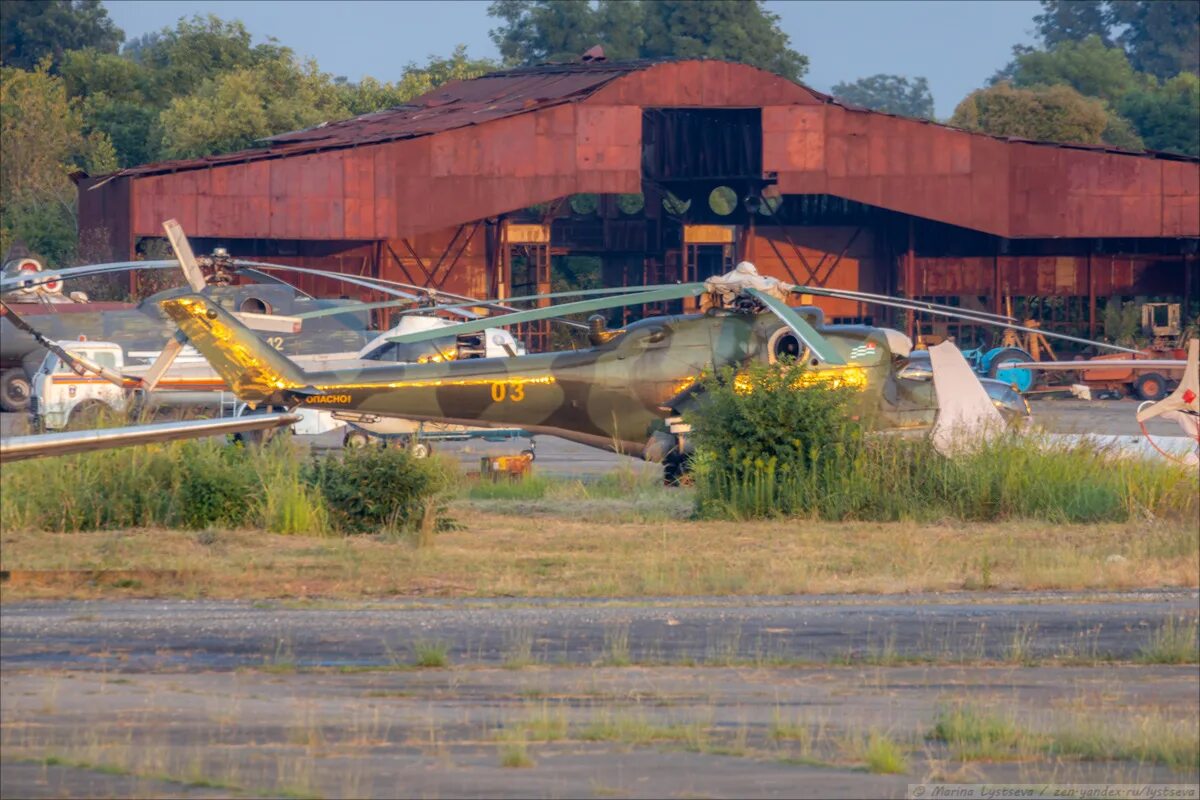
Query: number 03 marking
[514, 392]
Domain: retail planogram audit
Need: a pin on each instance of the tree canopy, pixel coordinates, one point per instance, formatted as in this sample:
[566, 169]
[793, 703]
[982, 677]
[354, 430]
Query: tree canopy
[34, 29]
[1124, 53]
[1053, 113]
[889, 93]
[538, 31]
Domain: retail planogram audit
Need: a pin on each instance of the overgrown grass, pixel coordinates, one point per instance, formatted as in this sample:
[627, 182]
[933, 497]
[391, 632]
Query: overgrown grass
[973, 734]
[778, 451]
[1173, 642]
[205, 483]
[430, 654]
[976, 735]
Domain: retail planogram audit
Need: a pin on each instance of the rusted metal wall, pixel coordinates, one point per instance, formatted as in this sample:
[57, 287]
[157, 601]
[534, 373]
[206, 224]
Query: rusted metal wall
[1009, 189]
[836, 257]
[1026, 276]
[104, 219]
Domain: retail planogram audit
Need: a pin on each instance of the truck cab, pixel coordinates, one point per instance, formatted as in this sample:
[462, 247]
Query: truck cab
[61, 395]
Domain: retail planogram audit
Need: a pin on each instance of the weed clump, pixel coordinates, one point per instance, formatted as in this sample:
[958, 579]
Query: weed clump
[770, 442]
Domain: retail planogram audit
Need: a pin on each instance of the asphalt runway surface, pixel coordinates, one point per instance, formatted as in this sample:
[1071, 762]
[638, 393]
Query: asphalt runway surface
[147, 635]
[734, 697]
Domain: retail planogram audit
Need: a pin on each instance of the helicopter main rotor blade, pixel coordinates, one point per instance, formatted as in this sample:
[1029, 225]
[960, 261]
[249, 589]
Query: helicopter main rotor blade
[675, 292]
[968, 316]
[815, 342]
[48, 276]
[183, 252]
[195, 278]
[376, 284]
[870, 297]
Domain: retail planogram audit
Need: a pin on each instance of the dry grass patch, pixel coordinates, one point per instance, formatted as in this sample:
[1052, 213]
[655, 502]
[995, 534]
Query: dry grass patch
[495, 554]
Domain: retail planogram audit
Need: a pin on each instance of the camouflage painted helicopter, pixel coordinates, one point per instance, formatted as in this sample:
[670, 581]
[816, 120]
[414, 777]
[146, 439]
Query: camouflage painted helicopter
[627, 392]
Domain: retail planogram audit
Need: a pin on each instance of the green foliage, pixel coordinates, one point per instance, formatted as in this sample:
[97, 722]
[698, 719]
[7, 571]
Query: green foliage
[889, 93]
[825, 467]
[1072, 21]
[1167, 116]
[202, 484]
[1122, 322]
[373, 489]
[1088, 66]
[42, 144]
[243, 105]
[34, 30]
[536, 31]
[1053, 113]
[1159, 35]
[215, 487]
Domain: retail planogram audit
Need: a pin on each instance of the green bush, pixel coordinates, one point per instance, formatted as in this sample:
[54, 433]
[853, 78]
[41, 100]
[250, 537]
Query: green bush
[815, 461]
[374, 488]
[200, 484]
[217, 485]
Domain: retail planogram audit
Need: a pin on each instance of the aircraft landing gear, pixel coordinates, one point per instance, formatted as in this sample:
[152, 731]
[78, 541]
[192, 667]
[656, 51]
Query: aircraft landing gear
[674, 468]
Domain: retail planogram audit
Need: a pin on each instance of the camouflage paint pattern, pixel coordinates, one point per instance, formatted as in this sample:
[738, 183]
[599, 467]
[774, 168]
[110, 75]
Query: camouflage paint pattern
[615, 395]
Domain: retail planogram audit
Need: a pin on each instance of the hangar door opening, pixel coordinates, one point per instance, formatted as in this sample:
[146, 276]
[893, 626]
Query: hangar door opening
[701, 144]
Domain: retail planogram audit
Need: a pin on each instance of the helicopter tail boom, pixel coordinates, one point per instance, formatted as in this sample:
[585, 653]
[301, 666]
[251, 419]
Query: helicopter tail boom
[257, 372]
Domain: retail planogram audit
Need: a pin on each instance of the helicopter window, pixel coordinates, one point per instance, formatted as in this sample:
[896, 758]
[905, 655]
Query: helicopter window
[253, 305]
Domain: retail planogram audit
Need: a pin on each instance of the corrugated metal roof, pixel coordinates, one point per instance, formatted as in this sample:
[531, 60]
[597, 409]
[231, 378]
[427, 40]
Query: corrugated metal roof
[490, 97]
[452, 105]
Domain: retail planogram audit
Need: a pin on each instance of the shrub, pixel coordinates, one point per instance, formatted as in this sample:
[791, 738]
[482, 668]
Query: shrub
[766, 448]
[374, 488]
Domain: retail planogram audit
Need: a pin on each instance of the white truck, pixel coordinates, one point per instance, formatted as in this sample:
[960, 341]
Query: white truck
[61, 397]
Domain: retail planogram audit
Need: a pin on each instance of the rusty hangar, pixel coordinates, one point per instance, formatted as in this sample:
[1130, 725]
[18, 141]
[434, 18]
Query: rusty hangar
[667, 171]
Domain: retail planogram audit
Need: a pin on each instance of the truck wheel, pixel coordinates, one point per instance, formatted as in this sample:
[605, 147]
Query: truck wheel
[420, 449]
[14, 390]
[355, 439]
[86, 415]
[1150, 386]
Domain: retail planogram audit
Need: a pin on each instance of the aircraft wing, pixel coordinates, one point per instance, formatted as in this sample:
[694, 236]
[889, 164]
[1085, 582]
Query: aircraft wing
[19, 448]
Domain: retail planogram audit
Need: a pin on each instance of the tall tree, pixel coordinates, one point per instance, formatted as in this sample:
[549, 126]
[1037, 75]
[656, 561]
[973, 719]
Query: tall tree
[1162, 37]
[34, 29]
[1054, 113]
[534, 31]
[196, 50]
[1072, 21]
[41, 145]
[890, 93]
[1167, 116]
[1089, 66]
[119, 97]
[240, 106]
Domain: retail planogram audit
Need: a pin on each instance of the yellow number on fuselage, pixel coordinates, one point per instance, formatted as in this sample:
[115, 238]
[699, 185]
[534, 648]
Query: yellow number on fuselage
[501, 391]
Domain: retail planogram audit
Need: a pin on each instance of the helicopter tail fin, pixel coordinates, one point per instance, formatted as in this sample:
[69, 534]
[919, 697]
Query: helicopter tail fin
[257, 372]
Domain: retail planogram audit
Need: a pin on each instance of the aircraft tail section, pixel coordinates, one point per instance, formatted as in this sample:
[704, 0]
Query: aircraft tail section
[257, 373]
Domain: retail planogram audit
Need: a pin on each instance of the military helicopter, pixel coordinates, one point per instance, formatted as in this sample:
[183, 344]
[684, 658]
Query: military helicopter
[626, 393]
